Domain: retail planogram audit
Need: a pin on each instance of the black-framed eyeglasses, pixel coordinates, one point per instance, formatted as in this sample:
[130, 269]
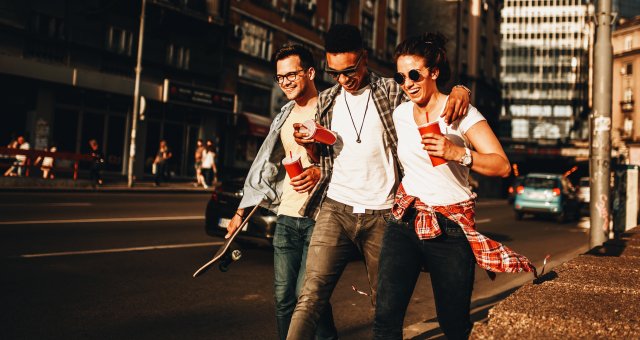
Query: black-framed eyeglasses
[291, 76]
[347, 72]
[414, 75]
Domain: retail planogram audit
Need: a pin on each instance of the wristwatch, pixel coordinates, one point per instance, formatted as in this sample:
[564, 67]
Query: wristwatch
[466, 160]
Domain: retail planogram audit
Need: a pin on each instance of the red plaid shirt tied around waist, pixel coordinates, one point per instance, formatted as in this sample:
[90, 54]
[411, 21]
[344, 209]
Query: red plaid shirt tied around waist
[490, 255]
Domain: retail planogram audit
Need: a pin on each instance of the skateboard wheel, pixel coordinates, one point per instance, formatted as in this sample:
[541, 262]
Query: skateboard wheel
[236, 255]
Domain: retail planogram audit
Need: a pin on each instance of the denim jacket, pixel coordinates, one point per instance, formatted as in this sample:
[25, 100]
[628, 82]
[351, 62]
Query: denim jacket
[263, 184]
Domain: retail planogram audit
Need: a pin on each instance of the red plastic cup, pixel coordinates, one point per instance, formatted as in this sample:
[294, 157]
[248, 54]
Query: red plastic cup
[433, 127]
[319, 133]
[293, 166]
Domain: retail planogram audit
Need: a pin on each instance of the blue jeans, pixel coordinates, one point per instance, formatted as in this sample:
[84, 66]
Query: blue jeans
[452, 268]
[290, 244]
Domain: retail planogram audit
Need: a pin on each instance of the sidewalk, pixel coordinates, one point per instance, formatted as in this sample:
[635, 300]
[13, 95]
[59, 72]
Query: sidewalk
[33, 184]
[596, 295]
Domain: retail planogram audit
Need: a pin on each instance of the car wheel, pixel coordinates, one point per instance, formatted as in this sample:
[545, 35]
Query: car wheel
[519, 215]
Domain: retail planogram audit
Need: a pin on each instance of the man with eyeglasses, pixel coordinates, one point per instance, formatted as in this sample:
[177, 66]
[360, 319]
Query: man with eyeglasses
[269, 185]
[360, 173]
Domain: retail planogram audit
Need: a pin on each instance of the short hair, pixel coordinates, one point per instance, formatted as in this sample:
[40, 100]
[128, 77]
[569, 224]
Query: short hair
[343, 38]
[291, 49]
[431, 47]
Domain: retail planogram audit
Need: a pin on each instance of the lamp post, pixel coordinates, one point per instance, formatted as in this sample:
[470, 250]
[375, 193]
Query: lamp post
[136, 99]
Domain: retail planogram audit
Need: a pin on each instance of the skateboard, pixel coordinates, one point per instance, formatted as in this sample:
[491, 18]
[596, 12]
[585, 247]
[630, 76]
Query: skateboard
[227, 254]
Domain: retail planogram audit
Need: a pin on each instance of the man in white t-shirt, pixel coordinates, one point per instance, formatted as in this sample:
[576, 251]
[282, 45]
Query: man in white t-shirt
[269, 185]
[359, 173]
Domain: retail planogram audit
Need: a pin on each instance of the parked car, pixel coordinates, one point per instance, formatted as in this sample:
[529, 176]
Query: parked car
[222, 206]
[546, 194]
[511, 196]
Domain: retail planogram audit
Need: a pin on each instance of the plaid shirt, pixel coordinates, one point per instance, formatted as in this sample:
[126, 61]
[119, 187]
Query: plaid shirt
[387, 95]
[490, 255]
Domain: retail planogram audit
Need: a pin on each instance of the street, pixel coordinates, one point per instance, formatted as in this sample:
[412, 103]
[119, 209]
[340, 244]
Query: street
[119, 265]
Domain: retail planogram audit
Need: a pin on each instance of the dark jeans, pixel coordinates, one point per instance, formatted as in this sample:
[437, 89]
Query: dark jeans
[95, 172]
[161, 172]
[290, 244]
[451, 265]
[338, 232]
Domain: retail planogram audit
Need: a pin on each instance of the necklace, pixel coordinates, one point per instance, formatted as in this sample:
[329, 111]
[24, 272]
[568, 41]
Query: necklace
[350, 115]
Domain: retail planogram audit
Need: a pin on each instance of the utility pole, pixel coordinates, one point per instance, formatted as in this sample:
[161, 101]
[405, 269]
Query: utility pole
[600, 127]
[136, 98]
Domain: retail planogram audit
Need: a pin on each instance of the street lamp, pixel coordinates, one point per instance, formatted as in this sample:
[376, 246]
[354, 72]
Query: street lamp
[136, 99]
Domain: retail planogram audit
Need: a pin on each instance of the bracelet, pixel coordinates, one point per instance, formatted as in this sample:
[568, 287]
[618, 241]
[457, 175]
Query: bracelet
[465, 88]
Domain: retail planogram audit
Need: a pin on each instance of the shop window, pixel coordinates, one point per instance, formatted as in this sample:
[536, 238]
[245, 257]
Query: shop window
[178, 56]
[114, 146]
[119, 40]
[256, 40]
[65, 130]
[254, 99]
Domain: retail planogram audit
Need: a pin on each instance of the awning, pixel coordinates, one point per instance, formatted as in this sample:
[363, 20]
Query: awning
[257, 125]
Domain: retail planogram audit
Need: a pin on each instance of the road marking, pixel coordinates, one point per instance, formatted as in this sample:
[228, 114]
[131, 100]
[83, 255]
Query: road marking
[122, 250]
[103, 220]
[57, 204]
[484, 220]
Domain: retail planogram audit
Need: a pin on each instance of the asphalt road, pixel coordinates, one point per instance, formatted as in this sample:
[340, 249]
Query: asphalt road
[119, 265]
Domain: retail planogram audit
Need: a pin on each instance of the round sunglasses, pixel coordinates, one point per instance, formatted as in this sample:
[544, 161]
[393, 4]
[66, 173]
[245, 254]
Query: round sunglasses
[414, 75]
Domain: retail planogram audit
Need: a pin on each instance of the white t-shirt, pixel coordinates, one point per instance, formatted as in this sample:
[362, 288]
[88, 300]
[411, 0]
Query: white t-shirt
[208, 157]
[442, 185]
[363, 173]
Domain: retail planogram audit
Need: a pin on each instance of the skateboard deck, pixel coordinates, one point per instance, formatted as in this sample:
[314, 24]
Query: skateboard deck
[225, 253]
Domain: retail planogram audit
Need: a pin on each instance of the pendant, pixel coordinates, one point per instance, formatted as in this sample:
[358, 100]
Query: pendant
[358, 140]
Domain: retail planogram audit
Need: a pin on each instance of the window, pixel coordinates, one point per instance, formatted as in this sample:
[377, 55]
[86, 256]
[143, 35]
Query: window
[178, 56]
[339, 13]
[119, 40]
[367, 30]
[628, 42]
[392, 41]
[49, 26]
[256, 40]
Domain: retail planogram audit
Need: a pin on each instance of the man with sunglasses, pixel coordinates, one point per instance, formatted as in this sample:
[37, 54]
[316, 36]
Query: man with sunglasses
[360, 173]
[269, 185]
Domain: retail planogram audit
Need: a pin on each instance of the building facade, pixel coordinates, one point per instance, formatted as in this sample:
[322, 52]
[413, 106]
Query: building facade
[68, 70]
[545, 70]
[626, 87]
[472, 28]
[259, 27]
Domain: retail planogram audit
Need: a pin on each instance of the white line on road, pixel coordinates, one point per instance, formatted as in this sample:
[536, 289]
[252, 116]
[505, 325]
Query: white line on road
[57, 204]
[103, 220]
[121, 250]
[484, 220]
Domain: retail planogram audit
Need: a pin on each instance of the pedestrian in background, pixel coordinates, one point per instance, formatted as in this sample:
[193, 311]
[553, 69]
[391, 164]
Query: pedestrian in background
[47, 164]
[214, 170]
[198, 163]
[161, 162]
[11, 172]
[95, 172]
[208, 166]
[21, 160]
